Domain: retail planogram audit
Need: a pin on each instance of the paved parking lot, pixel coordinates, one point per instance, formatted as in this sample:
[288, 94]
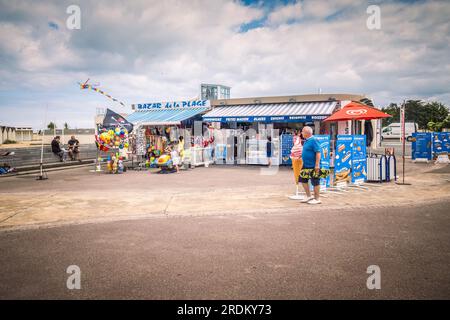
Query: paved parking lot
[79, 195]
[222, 232]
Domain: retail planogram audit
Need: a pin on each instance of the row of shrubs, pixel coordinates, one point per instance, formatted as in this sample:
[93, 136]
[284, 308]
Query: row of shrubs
[9, 141]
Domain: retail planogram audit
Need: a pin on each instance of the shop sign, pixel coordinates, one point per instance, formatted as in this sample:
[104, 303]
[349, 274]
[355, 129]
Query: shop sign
[300, 118]
[172, 105]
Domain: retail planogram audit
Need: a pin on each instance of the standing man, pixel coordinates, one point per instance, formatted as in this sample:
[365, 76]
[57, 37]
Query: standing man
[311, 166]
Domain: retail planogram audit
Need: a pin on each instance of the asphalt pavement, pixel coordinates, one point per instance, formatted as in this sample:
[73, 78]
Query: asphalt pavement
[305, 255]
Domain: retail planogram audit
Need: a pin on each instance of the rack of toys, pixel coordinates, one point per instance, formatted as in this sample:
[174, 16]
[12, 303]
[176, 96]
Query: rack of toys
[153, 145]
[114, 142]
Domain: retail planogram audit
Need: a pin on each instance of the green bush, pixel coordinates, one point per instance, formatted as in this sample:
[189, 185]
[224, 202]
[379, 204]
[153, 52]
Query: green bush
[9, 142]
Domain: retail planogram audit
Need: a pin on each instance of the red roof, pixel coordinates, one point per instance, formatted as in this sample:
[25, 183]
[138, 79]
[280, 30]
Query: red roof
[357, 111]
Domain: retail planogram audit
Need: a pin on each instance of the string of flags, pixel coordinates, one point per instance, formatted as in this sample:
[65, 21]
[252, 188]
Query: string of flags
[88, 86]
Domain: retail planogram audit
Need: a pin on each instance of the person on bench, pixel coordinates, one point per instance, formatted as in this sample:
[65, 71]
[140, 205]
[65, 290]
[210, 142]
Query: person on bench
[74, 151]
[56, 149]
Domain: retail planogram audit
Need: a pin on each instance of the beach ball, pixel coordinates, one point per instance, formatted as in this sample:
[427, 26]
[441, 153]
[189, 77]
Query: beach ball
[163, 159]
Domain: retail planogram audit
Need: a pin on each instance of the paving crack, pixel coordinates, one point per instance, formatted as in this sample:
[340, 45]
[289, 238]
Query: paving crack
[11, 216]
[167, 206]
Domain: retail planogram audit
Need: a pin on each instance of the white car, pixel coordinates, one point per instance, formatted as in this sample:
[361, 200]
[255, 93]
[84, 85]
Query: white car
[394, 130]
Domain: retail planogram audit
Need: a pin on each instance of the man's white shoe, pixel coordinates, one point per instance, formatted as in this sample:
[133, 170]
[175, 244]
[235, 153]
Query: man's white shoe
[314, 201]
[306, 199]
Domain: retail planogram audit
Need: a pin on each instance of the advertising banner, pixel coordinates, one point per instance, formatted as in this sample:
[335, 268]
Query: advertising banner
[441, 142]
[324, 142]
[350, 163]
[343, 160]
[359, 160]
[286, 146]
[220, 153]
[421, 145]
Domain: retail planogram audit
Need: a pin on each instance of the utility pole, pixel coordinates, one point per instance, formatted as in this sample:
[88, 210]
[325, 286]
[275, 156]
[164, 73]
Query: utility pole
[42, 174]
[403, 133]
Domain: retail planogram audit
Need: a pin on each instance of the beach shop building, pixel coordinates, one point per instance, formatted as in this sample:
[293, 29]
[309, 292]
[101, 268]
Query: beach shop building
[283, 113]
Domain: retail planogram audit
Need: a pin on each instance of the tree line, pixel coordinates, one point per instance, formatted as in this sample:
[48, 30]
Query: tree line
[52, 126]
[433, 116]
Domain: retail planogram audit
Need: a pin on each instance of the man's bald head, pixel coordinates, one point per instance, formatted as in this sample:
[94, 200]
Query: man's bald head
[307, 132]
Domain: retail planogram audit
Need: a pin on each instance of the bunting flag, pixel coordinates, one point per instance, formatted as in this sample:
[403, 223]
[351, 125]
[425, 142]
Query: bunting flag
[88, 86]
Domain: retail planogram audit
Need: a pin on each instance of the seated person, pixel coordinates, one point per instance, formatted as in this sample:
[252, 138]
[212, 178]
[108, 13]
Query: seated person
[74, 151]
[56, 149]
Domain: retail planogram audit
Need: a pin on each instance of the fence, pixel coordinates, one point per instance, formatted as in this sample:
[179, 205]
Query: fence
[28, 156]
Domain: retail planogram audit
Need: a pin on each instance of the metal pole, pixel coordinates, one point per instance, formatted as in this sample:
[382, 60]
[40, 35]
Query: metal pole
[402, 120]
[403, 139]
[41, 164]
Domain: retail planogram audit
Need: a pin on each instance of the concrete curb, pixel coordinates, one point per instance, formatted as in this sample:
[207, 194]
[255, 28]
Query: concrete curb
[48, 169]
[255, 213]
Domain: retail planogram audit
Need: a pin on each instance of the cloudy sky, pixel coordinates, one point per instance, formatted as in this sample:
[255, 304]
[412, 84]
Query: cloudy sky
[144, 51]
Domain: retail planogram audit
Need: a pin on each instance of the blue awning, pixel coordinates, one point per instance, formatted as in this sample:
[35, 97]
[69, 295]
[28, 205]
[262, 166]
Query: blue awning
[272, 112]
[164, 117]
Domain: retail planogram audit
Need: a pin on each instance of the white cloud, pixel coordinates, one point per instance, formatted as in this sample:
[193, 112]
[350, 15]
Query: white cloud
[285, 14]
[140, 51]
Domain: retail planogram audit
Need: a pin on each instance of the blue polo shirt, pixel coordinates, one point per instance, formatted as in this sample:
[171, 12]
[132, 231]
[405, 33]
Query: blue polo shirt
[310, 148]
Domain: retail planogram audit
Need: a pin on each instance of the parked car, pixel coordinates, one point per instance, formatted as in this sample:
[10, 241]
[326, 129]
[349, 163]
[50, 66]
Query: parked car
[394, 130]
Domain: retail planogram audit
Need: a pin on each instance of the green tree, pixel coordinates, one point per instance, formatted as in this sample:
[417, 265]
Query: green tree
[446, 122]
[423, 113]
[51, 126]
[66, 126]
[394, 110]
[436, 111]
[430, 115]
[439, 125]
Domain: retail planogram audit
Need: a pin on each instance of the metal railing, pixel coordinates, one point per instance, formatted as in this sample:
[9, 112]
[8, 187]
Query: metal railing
[381, 168]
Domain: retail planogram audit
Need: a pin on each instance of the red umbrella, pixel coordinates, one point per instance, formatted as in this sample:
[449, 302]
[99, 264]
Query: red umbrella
[357, 111]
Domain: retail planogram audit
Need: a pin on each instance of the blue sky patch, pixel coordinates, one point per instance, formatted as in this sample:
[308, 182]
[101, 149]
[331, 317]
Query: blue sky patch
[53, 25]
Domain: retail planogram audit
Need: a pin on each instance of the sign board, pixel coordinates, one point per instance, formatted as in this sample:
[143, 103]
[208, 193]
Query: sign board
[220, 153]
[359, 159]
[421, 146]
[324, 142]
[286, 146]
[189, 104]
[350, 160]
[343, 160]
[441, 143]
[268, 119]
